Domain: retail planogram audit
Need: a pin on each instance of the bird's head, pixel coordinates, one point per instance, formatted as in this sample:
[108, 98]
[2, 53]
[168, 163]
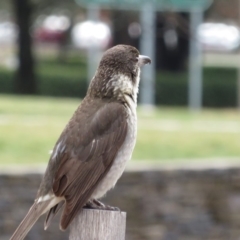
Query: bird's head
[118, 73]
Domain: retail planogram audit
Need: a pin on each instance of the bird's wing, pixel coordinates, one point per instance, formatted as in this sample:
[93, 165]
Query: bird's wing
[88, 154]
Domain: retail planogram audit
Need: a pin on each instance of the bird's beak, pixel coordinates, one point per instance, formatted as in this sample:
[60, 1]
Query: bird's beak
[142, 60]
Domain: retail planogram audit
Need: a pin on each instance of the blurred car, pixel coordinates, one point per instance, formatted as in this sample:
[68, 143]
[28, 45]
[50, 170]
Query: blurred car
[219, 37]
[89, 33]
[50, 36]
[51, 29]
[8, 32]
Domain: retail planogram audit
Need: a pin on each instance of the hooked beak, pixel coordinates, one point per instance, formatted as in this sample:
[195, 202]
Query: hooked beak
[142, 60]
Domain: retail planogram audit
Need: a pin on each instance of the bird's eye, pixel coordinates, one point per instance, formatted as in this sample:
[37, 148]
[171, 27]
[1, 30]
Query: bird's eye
[136, 59]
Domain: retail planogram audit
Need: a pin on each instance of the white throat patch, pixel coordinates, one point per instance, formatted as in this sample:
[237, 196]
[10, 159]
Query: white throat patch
[122, 83]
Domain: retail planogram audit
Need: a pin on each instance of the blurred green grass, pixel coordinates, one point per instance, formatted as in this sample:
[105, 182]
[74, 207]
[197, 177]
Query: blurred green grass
[30, 126]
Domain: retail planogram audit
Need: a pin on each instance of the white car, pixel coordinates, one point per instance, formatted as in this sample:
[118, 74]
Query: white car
[8, 32]
[219, 37]
[87, 34]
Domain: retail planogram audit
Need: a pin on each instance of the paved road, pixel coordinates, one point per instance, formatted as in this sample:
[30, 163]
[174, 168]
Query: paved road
[221, 60]
[209, 59]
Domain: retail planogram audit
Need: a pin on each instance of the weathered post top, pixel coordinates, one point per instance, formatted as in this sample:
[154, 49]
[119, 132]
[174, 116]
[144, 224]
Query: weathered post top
[92, 224]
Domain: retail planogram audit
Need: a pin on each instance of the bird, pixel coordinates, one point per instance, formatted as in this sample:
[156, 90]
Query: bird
[94, 147]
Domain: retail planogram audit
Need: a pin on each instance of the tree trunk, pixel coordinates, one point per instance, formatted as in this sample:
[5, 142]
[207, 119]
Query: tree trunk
[25, 82]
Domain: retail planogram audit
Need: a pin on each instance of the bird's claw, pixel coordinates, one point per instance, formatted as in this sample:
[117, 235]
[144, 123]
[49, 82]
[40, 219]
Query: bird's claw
[95, 204]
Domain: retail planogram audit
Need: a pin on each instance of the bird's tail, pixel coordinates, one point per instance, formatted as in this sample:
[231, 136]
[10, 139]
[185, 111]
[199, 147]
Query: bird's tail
[37, 209]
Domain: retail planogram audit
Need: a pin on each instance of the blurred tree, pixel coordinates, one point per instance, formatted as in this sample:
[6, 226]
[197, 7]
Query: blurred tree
[25, 11]
[172, 41]
[25, 81]
[222, 10]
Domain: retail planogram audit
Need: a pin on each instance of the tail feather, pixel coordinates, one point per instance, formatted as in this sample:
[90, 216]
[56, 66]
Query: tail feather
[37, 209]
[51, 214]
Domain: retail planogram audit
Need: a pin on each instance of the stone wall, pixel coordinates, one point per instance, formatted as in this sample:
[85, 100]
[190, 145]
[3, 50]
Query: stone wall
[160, 204]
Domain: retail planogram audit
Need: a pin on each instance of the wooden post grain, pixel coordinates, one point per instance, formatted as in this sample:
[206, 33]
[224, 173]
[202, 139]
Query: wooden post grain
[92, 224]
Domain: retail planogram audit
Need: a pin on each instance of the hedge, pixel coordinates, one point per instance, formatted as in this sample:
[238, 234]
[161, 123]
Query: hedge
[219, 88]
[69, 80]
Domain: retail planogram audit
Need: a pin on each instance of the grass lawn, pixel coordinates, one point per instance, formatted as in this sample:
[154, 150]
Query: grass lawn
[29, 127]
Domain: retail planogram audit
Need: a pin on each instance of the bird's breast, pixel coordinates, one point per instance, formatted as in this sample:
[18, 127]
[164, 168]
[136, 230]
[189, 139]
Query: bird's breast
[124, 154]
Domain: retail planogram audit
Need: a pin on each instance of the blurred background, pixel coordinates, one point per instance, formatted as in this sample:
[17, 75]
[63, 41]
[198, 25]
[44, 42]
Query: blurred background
[188, 144]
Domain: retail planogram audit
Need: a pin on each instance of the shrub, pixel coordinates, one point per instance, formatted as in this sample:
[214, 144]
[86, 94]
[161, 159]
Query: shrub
[219, 88]
[69, 79]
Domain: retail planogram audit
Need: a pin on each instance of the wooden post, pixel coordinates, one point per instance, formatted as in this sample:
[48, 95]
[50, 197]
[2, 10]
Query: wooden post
[93, 224]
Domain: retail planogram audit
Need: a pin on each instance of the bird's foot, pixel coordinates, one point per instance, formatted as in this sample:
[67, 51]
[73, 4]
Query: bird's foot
[95, 204]
[105, 207]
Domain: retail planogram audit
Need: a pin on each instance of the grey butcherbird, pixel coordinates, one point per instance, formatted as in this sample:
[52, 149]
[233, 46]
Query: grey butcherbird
[93, 149]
